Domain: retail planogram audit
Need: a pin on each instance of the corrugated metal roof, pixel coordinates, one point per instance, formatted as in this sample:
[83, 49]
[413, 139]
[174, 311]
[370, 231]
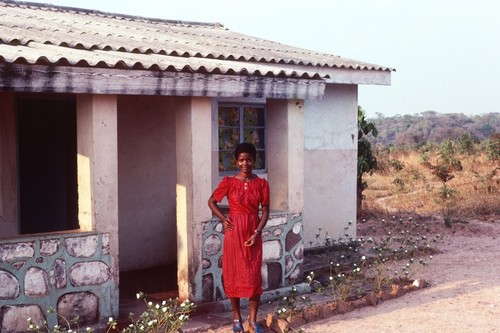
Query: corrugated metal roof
[40, 34]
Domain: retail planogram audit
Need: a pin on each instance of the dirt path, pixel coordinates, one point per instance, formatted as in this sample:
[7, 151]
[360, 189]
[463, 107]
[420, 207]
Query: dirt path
[464, 295]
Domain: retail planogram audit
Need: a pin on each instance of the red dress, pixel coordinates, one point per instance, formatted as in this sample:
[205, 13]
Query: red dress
[241, 265]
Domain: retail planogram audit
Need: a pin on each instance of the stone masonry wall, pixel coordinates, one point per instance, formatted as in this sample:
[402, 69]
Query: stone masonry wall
[69, 272]
[283, 251]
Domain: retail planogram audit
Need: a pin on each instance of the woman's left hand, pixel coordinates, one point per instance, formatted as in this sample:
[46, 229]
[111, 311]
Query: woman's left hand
[251, 241]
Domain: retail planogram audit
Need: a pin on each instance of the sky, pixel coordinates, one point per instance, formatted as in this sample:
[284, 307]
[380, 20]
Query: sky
[446, 52]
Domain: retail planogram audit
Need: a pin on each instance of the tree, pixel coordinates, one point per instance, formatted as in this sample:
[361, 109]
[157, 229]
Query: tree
[493, 147]
[367, 162]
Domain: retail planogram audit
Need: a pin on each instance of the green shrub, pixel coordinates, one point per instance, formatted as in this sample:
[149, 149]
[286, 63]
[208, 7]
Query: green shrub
[166, 317]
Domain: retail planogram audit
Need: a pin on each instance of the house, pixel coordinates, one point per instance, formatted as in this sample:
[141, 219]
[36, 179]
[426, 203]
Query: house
[114, 131]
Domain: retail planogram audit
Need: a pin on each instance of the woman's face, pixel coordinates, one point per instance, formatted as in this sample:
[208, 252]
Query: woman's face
[245, 162]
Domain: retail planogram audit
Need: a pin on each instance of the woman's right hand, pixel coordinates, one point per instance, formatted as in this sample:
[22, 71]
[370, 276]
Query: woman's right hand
[227, 224]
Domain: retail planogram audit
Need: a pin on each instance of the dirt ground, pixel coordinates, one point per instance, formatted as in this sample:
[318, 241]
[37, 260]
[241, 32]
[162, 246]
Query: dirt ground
[464, 295]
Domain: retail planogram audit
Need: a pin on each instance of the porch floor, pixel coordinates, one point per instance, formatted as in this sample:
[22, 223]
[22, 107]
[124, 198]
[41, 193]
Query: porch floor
[160, 283]
[160, 279]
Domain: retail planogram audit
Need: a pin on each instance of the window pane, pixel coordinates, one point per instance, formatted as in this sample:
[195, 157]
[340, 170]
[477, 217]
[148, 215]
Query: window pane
[260, 163]
[254, 136]
[226, 161]
[229, 116]
[253, 116]
[228, 138]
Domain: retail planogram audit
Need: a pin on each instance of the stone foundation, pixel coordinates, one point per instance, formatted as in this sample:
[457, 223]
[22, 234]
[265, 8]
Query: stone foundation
[68, 272]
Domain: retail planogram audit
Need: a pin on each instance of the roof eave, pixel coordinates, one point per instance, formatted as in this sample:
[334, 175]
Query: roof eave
[70, 79]
[356, 76]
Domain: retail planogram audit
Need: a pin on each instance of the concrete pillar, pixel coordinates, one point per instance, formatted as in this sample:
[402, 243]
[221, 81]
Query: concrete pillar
[98, 173]
[285, 154]
[8, 166]
[194, 171]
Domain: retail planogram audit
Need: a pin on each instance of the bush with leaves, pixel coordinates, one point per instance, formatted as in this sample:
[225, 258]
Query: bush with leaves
[493, 147]
[447, 155]
[466, 144]
[166, 317]
[367, 162]
[446, 197]
[291, 304]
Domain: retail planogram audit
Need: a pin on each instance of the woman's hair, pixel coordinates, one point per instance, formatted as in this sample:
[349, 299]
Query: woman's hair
[245, 147]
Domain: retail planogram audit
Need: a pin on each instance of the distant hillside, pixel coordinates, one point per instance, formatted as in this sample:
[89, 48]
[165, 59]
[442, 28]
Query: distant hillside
[431, 126]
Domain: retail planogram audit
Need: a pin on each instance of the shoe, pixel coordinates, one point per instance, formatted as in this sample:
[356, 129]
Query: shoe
[255, 327]
[237, 326]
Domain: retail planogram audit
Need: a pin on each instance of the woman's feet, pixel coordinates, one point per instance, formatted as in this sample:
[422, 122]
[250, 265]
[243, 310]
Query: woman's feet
[237, 326]
[255, 327]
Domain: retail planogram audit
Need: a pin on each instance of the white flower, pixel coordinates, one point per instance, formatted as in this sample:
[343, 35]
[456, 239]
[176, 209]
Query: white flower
[363, 258]
[110, 319]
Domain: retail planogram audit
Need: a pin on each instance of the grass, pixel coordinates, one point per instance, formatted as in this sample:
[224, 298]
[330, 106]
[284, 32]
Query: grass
[407, 182]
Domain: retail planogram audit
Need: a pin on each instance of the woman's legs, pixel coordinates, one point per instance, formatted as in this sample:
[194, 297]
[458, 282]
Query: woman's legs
[254, 308]
[237, 322]
[235, 303]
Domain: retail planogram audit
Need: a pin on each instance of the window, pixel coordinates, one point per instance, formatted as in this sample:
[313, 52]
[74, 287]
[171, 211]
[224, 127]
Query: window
[241, 123]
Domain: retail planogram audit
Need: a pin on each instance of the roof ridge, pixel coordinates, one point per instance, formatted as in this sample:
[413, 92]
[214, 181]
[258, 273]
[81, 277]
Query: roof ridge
[108, 14]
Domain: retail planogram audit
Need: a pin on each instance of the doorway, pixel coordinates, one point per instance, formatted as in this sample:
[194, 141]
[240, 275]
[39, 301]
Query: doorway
[47, 164]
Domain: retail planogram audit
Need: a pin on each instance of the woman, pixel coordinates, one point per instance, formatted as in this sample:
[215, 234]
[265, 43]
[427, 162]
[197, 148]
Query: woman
[242, 252]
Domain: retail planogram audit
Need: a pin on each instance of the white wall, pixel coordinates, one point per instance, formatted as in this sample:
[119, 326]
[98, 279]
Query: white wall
[147, 178]
[330, 162]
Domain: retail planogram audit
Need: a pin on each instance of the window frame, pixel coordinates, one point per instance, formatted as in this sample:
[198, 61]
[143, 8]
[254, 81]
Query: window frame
[241, 130]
